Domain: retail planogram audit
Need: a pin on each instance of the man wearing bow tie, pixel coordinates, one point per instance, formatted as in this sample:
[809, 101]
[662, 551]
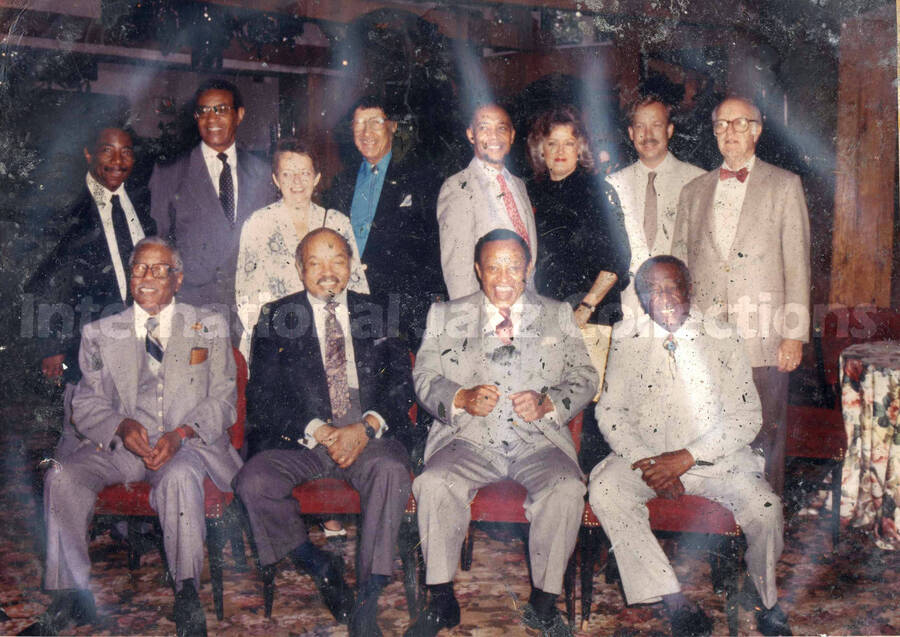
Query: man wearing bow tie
[743, 230]
[679, 412]
[502, 370]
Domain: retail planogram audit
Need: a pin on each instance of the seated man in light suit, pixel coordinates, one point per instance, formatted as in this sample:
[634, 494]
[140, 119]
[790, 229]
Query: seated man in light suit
[679, 412]
[156, 397]
[502, 371]
[320, 405]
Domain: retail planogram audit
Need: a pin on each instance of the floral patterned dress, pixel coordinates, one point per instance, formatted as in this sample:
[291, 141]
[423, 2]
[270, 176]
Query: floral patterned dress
[266, 268]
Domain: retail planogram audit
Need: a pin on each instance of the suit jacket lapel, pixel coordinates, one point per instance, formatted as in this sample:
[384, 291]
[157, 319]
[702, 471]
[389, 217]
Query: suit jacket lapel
[756, 181]
[706, 216]
[307, 366]
[122, 354]
[203, 190]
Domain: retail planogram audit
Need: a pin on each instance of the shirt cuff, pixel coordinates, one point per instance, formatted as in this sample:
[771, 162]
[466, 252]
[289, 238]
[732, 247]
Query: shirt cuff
[383, 426]
[309, 440]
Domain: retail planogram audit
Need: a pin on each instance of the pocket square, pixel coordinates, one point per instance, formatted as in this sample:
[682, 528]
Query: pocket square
[407, 201]
[199, 355]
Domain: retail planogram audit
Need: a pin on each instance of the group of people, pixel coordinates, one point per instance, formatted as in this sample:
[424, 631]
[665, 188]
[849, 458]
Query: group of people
[510, 295]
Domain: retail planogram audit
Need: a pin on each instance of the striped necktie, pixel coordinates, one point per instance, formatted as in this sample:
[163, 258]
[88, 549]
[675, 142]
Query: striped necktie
[151, 341]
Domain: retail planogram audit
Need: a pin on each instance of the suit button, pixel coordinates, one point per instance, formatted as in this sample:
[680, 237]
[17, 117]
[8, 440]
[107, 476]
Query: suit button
[159, 387]
[161, 428]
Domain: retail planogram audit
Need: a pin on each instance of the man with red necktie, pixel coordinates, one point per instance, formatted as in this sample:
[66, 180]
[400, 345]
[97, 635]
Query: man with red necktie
[743, 230]
[480, 198]
[502, 371]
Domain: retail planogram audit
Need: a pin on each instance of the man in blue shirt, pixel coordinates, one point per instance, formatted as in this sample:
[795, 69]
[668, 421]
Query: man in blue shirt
[391, 203]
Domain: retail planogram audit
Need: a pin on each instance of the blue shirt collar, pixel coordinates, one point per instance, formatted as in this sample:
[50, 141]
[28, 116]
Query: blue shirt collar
[367, 169]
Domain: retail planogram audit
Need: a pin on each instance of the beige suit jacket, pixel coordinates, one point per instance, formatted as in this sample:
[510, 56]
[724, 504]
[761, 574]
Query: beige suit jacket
[762, 285]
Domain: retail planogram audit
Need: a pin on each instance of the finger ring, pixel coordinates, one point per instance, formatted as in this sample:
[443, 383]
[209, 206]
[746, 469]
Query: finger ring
[652, 461]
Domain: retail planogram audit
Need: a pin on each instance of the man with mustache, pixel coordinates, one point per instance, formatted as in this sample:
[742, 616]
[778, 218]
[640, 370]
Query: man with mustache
[329, 397]
[201, 200]
[87, 272]
[679, 411]
[480, 198]
[154, 402]
[502, 371]
[648, 189]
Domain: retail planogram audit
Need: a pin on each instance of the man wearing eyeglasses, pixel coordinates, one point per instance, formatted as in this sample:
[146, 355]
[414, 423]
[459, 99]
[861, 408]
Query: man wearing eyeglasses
[390, 200]
[502, 370]
[156, 397]
[202, 199]
[743, 230]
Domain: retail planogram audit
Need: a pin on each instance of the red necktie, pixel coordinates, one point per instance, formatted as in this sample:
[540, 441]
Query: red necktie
[504, 328]
[511, 209]
[740, 175]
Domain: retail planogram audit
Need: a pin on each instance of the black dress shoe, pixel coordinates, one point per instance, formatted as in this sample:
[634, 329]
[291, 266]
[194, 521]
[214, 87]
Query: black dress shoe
[68, 607]
[553, 626]
[432, 620]
[690, 622]
[772, 621]
[190, 619]
[334, 590]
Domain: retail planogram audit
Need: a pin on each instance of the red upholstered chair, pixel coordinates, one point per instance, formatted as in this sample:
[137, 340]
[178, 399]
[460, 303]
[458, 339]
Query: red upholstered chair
[503, 502]
[689, 514]
[132, 500]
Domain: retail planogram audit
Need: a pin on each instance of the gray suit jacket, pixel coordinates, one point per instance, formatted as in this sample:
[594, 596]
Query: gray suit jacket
[186, 209]
[762, 284]
[466, 211]
[201, 395]
[552, 355]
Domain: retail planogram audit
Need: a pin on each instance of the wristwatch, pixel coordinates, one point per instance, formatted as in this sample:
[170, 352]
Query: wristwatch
[370, 430]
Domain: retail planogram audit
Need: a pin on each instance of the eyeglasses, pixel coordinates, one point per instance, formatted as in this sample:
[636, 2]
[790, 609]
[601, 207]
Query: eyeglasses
[738, 124]
[218, 109]
[157, 270]
[359, 124]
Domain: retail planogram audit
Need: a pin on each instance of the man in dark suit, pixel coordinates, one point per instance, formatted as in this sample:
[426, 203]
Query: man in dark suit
[391, 204]
[320, 405]
[202, 199]
[85, 275]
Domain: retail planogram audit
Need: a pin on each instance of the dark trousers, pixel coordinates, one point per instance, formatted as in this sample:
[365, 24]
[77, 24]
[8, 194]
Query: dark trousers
[380, 474]
[772, 387]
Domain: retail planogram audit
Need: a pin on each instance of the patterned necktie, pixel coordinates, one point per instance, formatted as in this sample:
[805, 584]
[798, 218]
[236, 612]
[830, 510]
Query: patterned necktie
[151, 341]
[120, 229]
[511, 210]
[650, 210]
[336, 363]
[740, 175]
[504, 328]
[226, 188]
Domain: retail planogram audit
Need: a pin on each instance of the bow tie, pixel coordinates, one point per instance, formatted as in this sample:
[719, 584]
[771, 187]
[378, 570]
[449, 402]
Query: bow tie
[740, 175]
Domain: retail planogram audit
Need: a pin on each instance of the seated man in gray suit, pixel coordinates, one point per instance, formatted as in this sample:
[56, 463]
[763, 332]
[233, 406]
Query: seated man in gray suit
[679, 411]
[156, 397]
[502, 371]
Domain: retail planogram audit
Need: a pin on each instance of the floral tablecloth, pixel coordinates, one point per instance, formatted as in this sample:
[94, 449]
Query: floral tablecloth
[870, 398]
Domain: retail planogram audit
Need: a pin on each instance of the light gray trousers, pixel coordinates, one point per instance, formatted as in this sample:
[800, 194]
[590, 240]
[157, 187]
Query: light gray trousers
[554, 506]
[71, 486]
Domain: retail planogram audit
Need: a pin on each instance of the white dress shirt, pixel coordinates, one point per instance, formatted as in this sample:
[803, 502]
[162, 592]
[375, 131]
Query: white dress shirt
[214, 166]
[103, 199]
[342, 314]
[497, 192]
[727, 203]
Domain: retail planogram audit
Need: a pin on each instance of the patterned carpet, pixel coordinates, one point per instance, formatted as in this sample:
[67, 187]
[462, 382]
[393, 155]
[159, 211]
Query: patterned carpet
[853, 591]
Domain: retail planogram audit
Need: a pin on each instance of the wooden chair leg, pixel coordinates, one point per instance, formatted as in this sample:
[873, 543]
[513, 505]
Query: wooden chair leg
[133, 541]
[410, 552]
[267, 575]
[732, 558]
[215, 542]
[590, 539]
[836, 475]
[465, 559]
[569, 587]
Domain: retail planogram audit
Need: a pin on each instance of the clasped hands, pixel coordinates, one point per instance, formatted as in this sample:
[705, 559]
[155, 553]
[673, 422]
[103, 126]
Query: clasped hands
[480, 400]
[663, 473]
[134, 437]
[344, 444]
